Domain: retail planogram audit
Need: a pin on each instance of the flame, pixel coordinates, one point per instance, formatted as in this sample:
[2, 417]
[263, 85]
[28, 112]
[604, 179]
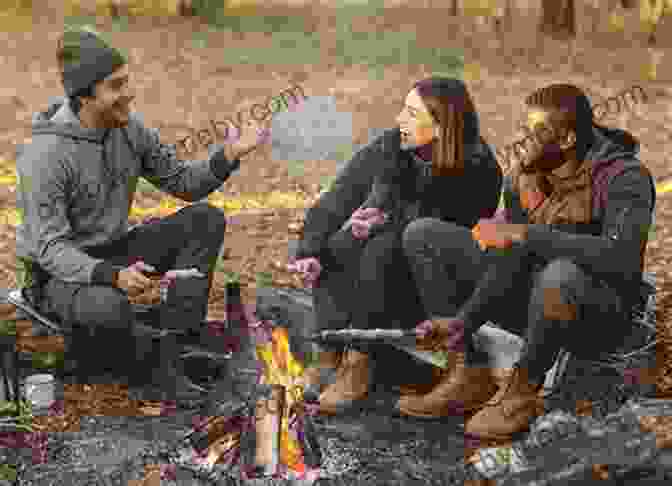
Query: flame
[282, 368]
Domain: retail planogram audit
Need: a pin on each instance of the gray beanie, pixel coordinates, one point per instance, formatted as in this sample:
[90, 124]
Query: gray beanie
[87, 59]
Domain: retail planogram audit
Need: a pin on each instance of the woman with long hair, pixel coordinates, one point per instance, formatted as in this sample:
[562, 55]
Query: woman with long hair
[433, 164]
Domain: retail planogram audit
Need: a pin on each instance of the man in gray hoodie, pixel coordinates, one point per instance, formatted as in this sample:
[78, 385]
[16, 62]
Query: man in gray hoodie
[76, 184]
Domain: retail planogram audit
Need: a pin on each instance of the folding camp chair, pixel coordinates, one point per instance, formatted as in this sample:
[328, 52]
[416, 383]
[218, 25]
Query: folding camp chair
[8, 351]
[146, 324]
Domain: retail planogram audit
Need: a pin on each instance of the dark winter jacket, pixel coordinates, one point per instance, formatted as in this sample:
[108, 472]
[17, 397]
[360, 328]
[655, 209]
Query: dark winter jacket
[397, 181]
[76, 187]
[612, 245]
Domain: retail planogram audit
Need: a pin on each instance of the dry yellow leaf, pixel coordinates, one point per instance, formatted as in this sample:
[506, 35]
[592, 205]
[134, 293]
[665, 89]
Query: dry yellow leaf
[478, 8]
[472, 72]
[616, 22]
[11, 217]
[664, 187]
[650, 71]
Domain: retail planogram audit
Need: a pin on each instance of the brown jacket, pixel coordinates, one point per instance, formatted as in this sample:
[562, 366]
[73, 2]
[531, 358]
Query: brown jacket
[600, 218]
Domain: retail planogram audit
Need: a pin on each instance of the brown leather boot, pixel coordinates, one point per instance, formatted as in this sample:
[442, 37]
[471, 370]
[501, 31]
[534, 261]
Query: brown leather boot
[420, 388]
[353, 378]
[465, 389]
[510, 411]
[425, 387]
[328, 360]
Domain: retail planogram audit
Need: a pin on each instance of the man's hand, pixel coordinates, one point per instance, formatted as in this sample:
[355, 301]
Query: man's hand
[490, 234]
[251, 135]
[132, 281]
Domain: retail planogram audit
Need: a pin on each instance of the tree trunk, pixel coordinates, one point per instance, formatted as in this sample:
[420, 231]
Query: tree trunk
[628, 4]
[453, 8]
[558, 18]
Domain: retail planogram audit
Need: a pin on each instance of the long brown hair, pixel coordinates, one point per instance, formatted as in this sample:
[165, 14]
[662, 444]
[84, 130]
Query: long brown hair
[452, 109]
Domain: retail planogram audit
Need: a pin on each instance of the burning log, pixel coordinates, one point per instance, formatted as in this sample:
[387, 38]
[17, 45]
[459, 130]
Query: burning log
[268, 426]
[312, 453]
[282, 368]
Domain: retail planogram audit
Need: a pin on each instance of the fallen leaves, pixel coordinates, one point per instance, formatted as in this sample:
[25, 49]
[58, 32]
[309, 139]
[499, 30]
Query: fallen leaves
[295, 227]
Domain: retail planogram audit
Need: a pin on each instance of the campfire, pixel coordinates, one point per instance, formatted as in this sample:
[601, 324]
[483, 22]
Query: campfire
[274, 435]
[282, 369]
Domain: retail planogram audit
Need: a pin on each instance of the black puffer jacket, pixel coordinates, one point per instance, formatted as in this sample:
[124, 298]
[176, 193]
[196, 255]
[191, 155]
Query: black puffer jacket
[382, 175]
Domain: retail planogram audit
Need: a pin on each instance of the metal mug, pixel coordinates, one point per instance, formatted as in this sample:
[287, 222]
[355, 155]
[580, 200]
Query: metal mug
[40, 390]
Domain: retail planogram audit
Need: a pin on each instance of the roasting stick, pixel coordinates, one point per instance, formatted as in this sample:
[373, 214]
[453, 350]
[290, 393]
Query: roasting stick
[352, 335]
[402, 339]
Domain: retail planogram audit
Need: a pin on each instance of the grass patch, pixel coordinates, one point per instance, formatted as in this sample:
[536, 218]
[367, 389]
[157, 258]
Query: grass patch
[264, 23]
[8, 328]
[327, 183]
[79, 20]
[47, 360]
[287, 48]
[375, 50]
[264, 279]
[295, 168]
[293, 44]
[8, 473]
[389, 48]
[144, 186]
[244, 19]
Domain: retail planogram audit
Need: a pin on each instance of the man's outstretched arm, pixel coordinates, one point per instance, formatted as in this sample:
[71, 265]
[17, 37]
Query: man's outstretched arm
[189, 180]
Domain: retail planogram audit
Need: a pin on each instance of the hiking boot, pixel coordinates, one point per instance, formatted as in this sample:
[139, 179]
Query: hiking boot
[423, 388]
[464, 389]
[313, 376]
[353, 378]
[510, 411]
[437, 375]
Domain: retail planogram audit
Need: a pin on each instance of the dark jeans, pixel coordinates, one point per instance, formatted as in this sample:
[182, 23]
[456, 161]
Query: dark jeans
[367, 284]
[518, 291]
[192, 237]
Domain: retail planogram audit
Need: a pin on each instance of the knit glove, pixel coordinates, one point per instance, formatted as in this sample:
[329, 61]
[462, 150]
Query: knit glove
[441, 333]
[362, 221]
[310, 269]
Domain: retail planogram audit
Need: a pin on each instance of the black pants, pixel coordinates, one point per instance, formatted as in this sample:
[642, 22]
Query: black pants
[367, 284]
[518, 291]
[191, 237]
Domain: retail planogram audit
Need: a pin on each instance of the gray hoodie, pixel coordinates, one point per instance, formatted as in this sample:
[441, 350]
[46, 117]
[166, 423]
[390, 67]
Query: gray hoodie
[76, 186]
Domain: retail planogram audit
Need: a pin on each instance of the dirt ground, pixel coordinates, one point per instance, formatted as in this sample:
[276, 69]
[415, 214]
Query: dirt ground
[180, 85]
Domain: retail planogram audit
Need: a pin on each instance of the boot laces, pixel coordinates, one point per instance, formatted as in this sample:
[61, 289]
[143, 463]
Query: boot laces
[498, 398]
[503, 391]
